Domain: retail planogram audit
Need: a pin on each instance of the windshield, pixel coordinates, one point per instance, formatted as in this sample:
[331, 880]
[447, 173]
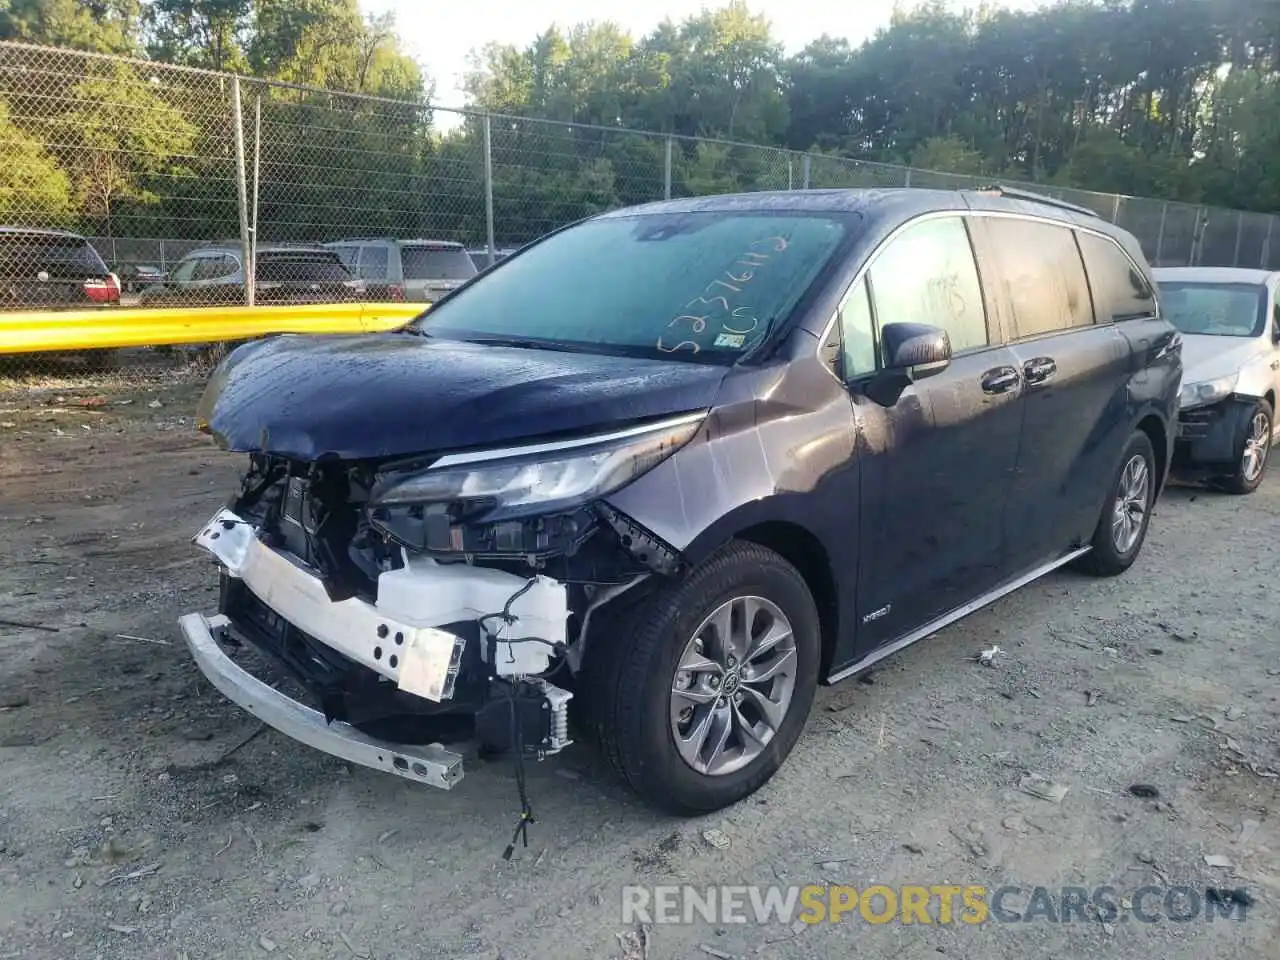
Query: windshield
[702, 286]
[1216, 309]
[436, 263]
[300, 268]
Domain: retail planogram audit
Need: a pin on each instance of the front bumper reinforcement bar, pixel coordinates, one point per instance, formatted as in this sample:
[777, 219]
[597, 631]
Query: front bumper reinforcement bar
[432, 764]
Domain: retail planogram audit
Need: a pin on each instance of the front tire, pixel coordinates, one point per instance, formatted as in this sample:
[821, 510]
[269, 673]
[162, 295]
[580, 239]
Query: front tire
[701, 694]
[1122, 528]
[1254, 447]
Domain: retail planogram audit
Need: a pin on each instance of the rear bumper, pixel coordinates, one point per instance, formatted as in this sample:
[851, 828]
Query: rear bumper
[432, 765]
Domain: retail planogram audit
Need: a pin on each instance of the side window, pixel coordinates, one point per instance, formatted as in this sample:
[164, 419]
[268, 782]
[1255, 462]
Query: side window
[1120, 292]
[225, 266]
[858, 337]
[1041, 276]
[185, 270]
[347, 254]
[215, 268]
[373, 263]
[927, 274]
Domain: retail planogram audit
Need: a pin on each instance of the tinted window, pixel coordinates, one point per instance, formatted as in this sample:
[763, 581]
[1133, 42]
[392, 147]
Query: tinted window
[857, 333]
[373, 263]
[1041, 276]
[184, 271]
[300, 268]
[348, 255]
[22, 253]
[216, 267]
[436, 263]
[1120, 292]
[927, 275]
[1216, 309]
[705, 285]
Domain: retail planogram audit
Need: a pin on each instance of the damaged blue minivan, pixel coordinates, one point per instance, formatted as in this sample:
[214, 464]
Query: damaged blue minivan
[653, 478]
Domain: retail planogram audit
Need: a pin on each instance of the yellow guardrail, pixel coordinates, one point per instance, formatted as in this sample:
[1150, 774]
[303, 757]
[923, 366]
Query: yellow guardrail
[37, 331]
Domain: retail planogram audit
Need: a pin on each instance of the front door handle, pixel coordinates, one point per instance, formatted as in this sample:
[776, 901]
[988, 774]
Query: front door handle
[1000, 380]
[1039, 369]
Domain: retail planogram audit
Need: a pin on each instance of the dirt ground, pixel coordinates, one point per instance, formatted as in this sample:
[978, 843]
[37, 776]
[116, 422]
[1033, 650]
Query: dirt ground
[140, 817]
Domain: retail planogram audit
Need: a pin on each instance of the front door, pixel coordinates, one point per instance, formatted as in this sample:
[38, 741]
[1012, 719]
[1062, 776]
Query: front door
[937, 465]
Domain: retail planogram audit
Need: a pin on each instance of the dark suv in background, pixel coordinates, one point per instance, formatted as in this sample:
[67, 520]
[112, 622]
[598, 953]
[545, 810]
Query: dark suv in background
[417, 270]
[214, 275]
[52, 269]
[681, 463]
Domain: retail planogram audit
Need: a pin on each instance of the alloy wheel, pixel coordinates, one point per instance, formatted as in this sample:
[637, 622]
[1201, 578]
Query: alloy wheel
[733, 685]
[1130, 510]
[1257, 444]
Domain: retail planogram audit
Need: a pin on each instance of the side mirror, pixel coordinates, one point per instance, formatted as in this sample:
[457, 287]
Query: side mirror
[912, 351]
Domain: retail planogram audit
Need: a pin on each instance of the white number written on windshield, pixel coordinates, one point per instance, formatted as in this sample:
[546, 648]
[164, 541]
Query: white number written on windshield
[720, 304]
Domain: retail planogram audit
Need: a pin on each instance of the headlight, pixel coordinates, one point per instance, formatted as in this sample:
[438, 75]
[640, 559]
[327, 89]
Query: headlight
[522, 482]
[1206, 392]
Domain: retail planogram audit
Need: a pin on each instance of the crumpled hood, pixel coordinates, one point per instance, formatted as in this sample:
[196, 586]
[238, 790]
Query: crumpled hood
[1207, 357]
[391, 395]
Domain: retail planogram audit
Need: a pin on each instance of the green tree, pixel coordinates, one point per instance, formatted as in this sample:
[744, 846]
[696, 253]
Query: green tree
[202, 33]
[948, 155]
[32, 188]
[118, 139]
[104, 26]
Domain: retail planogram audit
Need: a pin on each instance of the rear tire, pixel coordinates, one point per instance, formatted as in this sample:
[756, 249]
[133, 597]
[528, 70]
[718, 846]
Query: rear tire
[1126, 515]
[1253, 448]
[661, 657]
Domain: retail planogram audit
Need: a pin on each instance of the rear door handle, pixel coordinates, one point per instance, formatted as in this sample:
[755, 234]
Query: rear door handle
[1039, 369]
[1000, 380]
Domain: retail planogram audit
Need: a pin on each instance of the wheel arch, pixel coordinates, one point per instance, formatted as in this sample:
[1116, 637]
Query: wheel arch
[771, 525]
[1157, 431]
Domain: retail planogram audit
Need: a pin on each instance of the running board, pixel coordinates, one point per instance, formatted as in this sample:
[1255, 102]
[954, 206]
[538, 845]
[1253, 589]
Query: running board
[959, 613]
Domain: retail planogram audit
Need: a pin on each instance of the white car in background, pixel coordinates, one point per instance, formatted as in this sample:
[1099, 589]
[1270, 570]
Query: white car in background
[1230, 323]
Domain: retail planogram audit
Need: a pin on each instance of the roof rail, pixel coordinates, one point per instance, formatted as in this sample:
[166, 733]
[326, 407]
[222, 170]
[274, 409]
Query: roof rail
[450, 243]
[1014, 193]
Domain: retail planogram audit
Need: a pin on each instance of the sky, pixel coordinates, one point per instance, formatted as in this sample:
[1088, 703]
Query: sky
[441, 42]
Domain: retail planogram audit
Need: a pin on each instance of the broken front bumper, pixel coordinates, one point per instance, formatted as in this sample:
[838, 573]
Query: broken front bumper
[397, 643]
[433, 765]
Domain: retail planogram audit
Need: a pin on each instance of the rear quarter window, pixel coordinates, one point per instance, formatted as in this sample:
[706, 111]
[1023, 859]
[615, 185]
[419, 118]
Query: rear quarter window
[436, 263]
[301, 268]
[1120, 291]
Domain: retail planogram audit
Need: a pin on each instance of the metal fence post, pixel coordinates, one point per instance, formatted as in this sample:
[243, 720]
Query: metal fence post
[666, 170]
[791, 174]
[1235, 258]
[1164, 215]
[906, 178]
[1115, 209]
[1266, 244]
[488, 188]
[806, 169]
[242, 191]
[257, 169]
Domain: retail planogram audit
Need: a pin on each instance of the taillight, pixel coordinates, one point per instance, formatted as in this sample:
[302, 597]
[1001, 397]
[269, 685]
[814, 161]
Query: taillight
[103, 291]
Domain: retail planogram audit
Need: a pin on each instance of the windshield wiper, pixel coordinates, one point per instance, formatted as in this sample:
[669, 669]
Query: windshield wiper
[525, 343]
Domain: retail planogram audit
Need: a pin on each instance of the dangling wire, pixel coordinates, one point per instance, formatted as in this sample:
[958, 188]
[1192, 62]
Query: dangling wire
[526, 811]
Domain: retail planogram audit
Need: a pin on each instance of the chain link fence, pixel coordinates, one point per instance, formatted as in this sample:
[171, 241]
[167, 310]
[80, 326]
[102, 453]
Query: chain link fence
[131, 183]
